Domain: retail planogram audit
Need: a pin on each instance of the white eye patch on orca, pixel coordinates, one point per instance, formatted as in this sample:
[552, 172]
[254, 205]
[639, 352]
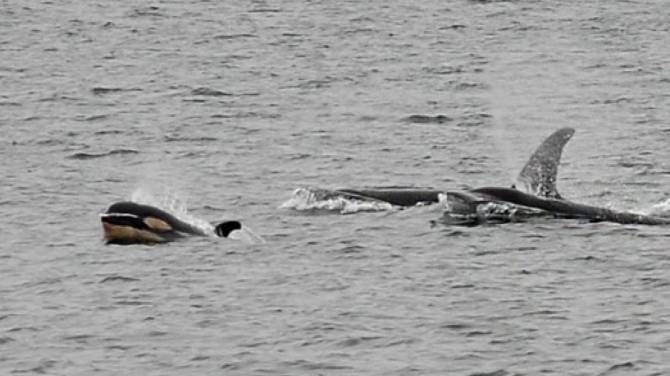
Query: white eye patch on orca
[110, 215]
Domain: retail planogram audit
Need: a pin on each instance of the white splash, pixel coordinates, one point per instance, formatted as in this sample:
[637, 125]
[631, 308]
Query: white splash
[305, 199]
[171, 203]
[246, 235]
[662, 209]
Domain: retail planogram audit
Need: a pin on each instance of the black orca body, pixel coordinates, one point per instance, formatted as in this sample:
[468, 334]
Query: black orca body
[394, 196]
[538, 178]
[563, 208]
[128, 222]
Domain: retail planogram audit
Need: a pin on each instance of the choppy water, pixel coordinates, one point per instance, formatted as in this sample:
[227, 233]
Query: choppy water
[231, 106]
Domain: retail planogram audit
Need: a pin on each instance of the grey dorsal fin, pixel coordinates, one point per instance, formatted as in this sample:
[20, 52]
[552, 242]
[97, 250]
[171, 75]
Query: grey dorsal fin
[538, 176]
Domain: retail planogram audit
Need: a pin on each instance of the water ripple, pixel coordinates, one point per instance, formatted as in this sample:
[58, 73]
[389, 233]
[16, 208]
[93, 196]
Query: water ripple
[86, 156]
[232, 105]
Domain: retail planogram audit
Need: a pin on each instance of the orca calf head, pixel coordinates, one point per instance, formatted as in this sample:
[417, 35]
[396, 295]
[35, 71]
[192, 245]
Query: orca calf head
[130, 223]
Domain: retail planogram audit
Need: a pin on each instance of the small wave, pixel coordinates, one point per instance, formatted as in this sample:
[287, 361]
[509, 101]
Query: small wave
[105, 90]
[623, 367]
[85, 156]
[108, 131]
[234, 36]
[265, 10]
[81, 338]
[101, 90]
[662, 209]
[314, 366]
[500, 372]
[120, 278]
[15, 104]
[92, 117]
[445, 70]
[242, 115]
[207, 92]
[355, 341]
[42, 368]
[428, 119]
[489, 1]
[313, 199]
[4, 340]
[150, 11]
[118, 347]
[133, 302]
[474, 120]
[169, 138]
[453, 27]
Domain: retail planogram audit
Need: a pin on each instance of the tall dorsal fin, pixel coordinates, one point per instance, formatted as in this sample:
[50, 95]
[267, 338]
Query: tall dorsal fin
[538, 176]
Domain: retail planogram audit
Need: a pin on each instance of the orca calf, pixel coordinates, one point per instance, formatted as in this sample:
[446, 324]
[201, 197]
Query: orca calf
[128, 222]
[537, 195]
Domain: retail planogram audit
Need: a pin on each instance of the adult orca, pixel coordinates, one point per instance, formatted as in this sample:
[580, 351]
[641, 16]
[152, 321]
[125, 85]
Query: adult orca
[556, 207]
[537, 195]
[128, 222]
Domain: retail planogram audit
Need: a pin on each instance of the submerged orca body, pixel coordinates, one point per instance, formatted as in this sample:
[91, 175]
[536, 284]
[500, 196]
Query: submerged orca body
[128, 222]
[394, 196]
[563, 208]
[538, 198]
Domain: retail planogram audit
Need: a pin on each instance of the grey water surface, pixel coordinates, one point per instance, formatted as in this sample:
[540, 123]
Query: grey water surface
[232, 106]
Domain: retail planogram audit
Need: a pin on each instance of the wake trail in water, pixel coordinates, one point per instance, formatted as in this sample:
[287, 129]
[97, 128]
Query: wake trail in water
[661, 209]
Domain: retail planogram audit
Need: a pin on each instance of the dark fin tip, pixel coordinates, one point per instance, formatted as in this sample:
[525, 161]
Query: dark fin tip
[224, 229]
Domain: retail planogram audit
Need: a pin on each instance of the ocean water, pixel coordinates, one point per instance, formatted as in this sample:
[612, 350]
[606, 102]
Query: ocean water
[232, 110]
